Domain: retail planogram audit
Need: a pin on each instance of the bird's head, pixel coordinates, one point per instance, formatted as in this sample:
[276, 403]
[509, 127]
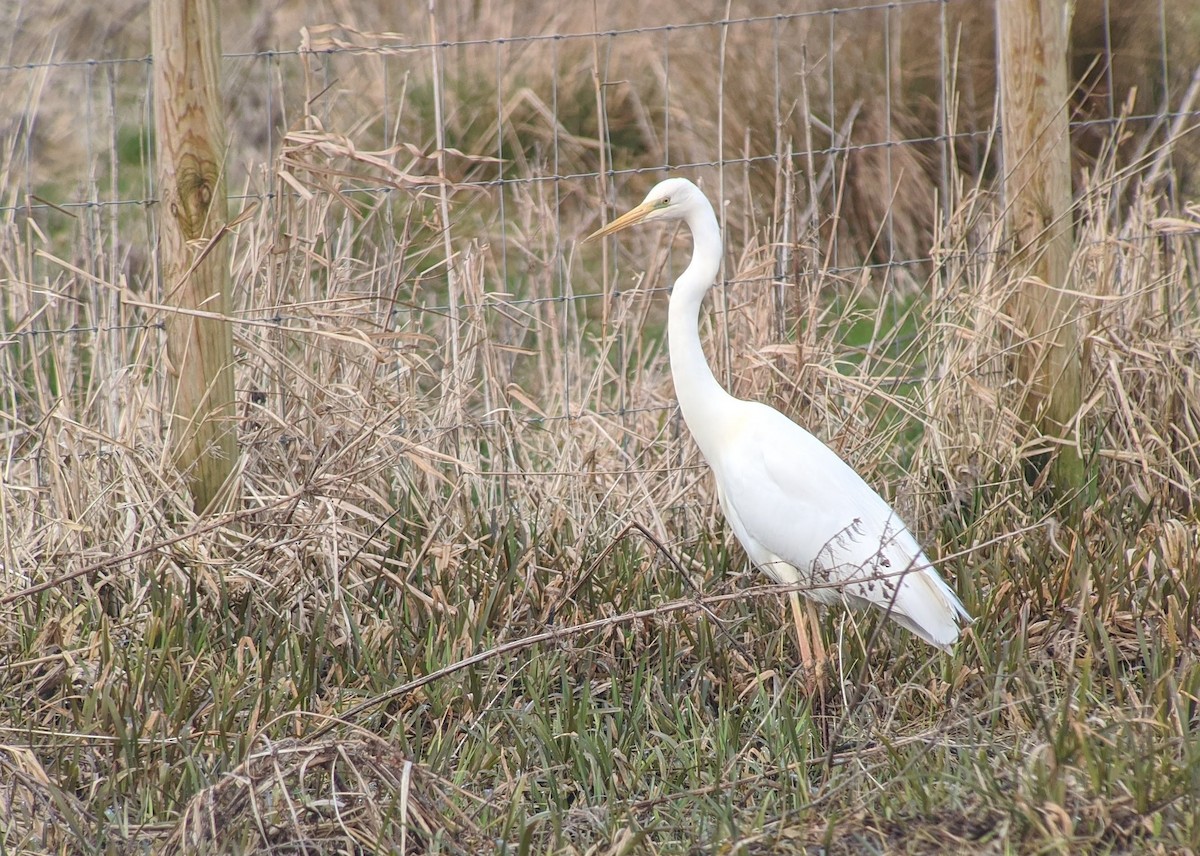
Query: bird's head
[673, 199]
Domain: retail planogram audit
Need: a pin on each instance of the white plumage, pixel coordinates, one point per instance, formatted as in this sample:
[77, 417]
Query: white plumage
[801, 513]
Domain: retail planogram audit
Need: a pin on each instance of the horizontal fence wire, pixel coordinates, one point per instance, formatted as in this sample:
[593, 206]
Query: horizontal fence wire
[482, 184]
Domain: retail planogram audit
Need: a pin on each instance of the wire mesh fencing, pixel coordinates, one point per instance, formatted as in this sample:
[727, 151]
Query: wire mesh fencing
[408, 267]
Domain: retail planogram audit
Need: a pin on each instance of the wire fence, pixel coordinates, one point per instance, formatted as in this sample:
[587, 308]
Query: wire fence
[839, 142]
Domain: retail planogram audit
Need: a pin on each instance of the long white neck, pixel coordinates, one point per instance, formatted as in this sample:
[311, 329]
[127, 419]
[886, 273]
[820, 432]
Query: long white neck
[701, 398]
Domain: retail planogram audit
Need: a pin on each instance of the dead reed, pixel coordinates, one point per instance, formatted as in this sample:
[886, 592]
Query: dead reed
[449, 415]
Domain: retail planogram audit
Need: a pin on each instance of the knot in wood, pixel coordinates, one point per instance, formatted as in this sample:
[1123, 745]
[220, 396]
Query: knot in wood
[195, 182]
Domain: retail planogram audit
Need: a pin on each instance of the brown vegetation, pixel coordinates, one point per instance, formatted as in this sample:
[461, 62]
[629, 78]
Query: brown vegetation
[448, 422]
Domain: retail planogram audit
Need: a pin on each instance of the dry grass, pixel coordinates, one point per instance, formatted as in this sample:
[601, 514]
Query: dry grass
[429, 627]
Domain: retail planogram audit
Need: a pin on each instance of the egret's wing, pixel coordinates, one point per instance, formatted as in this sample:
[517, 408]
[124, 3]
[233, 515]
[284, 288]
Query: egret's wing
[788, 495]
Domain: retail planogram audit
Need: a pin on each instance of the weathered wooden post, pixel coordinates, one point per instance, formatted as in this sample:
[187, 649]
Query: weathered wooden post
[190, 135]
[1037, 193]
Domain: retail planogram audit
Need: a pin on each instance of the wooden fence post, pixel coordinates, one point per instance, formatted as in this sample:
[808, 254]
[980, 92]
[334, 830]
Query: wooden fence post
[1037, 193]
[194, 262]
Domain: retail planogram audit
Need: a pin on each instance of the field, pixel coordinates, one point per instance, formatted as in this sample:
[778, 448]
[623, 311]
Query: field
[475, 593]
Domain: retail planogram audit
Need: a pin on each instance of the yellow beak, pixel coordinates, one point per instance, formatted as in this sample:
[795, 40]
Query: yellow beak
[629, 218]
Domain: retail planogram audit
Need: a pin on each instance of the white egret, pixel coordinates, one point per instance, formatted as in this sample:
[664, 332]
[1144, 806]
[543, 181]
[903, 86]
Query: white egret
[801, 513]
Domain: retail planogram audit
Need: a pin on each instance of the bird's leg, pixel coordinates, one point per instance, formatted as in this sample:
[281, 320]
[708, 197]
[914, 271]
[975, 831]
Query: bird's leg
[814, 624]
[808, 636]
[806, 657]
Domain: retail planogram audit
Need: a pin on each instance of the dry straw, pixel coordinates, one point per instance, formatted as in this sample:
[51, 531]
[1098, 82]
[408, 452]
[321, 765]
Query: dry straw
[447, 411]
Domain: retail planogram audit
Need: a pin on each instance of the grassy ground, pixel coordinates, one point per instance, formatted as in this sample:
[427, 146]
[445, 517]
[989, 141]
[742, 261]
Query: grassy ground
[477, 594]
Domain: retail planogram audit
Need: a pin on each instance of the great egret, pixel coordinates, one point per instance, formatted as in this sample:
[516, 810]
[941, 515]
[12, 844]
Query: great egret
[801, 513]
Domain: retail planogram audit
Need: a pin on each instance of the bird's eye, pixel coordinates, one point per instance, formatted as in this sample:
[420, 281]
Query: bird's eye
[664, 202]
